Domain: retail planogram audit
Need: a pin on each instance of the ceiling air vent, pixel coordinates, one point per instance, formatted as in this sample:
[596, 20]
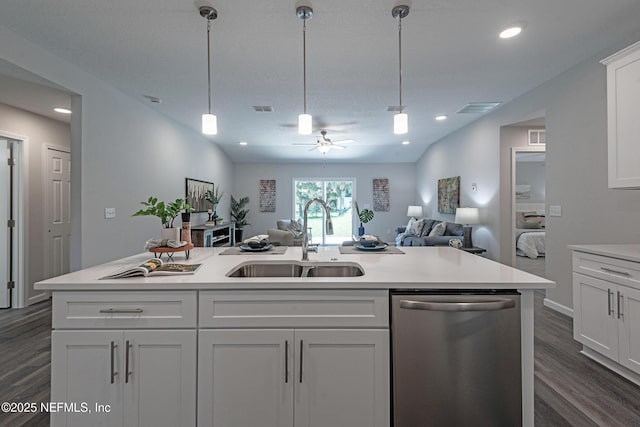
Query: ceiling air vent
[263, 108]
[478, 107]
[537, 137]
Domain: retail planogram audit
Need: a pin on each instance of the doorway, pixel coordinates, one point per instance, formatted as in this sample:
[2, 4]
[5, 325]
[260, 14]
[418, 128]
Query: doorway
[338, 194]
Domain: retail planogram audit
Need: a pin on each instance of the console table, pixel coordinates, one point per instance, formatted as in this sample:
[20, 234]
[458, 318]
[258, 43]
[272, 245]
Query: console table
[222, 234]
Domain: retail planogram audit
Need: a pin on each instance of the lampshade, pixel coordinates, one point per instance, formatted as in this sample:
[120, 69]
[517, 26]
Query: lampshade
[467, 216]
[414, 211]
[209, 124]
[400, 123]
[304, 124]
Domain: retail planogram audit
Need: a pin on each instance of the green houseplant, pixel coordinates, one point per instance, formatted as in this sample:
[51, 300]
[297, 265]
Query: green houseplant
[214, 197]
[364, 215]
[166, 211]
[239, 215]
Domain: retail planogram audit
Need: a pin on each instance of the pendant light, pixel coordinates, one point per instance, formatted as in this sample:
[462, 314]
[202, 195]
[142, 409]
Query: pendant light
[305, 120]
[209, 121]
[400, 120]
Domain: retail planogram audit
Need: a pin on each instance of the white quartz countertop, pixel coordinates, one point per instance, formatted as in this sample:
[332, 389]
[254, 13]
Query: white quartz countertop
[629, 252]
[418, 268]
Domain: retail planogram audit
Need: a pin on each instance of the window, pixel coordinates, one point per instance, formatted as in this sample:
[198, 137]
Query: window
[338, 193]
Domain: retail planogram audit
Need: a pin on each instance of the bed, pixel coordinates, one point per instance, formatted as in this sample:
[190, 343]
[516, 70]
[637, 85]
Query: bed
[530, 230]
[530, 243]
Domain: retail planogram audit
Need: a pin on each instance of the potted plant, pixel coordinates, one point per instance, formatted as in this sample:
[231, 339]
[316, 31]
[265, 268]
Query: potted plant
[214, 196]
[365, 215]
[167, 212]
[239, 215]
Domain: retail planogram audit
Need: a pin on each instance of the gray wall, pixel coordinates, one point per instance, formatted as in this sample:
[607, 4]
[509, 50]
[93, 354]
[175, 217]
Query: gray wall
[122, 152]
[402, 179]
[39, 131]
[574, 104]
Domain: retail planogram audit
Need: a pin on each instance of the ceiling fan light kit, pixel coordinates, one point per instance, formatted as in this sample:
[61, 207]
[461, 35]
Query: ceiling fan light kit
[400, 120]
[305, 121]
[209, 121]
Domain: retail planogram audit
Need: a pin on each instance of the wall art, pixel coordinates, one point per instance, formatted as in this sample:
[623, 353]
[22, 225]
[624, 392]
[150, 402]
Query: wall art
[381, 194]
[267, 192]
[448, 195]
[195, 191]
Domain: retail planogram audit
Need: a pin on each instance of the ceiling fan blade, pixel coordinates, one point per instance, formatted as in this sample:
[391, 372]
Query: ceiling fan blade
[339, 147]
[314, 148]
[343, 141]
[298, 143]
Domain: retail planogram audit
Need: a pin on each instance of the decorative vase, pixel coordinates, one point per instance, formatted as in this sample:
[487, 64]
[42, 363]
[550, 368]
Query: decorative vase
[186, 227]
[171, 233]
[361, 230]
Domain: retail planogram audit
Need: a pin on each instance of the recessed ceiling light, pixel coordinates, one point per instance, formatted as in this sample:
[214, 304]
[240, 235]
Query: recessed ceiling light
[62, 110]
[406, 142]
[441, 117]
[243, 142]
[512, 31]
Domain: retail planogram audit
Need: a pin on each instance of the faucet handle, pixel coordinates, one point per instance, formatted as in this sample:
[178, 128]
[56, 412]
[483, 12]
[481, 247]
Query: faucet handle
[329, 227]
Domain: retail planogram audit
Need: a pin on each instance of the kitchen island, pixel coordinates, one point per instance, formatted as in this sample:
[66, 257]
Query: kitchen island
[271, 343]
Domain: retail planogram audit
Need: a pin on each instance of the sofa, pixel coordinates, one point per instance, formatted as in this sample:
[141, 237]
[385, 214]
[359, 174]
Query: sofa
[421, 232]
[288, 232]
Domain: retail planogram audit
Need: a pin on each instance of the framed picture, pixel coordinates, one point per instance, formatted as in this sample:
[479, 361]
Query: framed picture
[380, 194]
[448, 195]
[195, 191]
[267, 190]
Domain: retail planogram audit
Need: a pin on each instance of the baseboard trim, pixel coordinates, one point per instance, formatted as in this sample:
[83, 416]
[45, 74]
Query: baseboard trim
[610, 364]
[558, 307]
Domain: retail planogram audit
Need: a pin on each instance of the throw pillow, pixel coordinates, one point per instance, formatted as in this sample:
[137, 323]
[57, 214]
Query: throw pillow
[428, 225]
[416, 227]
[438, 229]
[410, 225]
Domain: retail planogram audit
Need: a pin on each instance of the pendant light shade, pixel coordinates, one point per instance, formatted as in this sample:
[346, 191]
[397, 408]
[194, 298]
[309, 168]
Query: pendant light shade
[305, 121]
[400, 120]
[209, 121]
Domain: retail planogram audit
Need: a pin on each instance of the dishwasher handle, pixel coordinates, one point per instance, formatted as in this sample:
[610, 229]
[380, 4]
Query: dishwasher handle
[476, 305]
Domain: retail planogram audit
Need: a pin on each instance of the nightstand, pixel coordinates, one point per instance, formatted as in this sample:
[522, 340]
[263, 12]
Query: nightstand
[474, 250]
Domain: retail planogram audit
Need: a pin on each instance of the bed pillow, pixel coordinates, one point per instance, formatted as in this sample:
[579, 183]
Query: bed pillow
[535, 218]
[528, 225]
[438, 229]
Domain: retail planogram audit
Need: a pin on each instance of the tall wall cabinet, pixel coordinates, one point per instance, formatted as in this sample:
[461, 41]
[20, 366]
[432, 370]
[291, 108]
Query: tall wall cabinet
[623, 92]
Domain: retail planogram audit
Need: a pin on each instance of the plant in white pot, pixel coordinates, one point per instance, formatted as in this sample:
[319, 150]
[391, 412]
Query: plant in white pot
[167, 212]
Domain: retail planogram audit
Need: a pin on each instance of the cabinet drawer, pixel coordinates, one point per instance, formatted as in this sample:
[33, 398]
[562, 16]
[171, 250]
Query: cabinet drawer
[231, 309]
[606, 268]
[97, 310]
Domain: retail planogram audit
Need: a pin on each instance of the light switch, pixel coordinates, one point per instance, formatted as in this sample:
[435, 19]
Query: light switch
[555, 210]
[109, 213]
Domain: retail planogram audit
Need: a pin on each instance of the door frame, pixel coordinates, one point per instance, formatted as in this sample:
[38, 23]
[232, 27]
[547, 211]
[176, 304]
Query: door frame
[20, 241]
[514, 152]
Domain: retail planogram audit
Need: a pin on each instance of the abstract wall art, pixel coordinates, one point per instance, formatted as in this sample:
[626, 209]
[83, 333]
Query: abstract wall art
[448, 195]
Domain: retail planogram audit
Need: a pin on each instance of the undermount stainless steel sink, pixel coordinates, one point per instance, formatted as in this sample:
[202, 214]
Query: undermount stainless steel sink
[296, 269]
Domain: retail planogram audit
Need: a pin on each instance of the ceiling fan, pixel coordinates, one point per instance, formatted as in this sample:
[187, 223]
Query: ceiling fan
[324, 144]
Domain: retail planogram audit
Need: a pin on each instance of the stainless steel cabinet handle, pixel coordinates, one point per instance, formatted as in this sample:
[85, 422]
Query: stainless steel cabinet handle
[301, 361]
[286, 361]
[609, 305]
[121, 310]
[477, 305]
[113, 361]
[610, 270]
[620, 301]
[127, 372]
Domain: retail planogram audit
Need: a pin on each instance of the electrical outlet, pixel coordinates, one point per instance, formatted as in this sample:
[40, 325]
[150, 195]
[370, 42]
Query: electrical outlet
[109, 213]
[555, 210]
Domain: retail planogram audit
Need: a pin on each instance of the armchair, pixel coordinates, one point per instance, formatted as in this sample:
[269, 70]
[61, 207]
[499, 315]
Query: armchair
[288, 232]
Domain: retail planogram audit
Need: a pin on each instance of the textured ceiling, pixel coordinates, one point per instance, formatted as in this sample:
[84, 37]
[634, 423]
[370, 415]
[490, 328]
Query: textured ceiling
[451, 56]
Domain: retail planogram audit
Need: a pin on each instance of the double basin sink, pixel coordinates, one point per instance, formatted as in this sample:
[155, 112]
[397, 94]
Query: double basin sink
[296, 269]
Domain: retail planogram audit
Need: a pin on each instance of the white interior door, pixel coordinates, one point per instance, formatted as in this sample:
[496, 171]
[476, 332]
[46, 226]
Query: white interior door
[4, 217]
[58, 211]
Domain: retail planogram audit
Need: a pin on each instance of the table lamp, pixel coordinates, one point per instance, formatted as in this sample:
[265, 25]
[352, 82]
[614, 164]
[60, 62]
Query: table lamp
[414, 211]
[467, 216]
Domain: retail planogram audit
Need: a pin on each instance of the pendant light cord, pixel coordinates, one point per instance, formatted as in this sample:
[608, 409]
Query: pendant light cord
[400, 57]
[304, 64]
[209, 61]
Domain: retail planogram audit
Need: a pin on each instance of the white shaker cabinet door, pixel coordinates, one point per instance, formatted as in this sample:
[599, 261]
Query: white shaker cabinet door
[342, 378]
[595, 321]
[86, 367]
[630, 328]
[160, 383]
[245, 378]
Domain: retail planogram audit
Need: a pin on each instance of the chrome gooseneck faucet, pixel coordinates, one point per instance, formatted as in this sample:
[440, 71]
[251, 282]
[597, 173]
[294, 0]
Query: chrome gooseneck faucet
[305, 236]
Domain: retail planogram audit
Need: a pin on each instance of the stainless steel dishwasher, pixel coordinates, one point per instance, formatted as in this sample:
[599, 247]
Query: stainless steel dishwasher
[456, 358]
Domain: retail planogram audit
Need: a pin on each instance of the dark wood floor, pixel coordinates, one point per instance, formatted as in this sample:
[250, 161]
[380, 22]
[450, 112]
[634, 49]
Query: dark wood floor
[570, 389]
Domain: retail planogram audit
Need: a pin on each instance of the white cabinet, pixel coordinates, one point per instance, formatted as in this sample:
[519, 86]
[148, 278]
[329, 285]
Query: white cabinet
[606, 311]
[623, 92]
[303, 375]
[130, 376]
